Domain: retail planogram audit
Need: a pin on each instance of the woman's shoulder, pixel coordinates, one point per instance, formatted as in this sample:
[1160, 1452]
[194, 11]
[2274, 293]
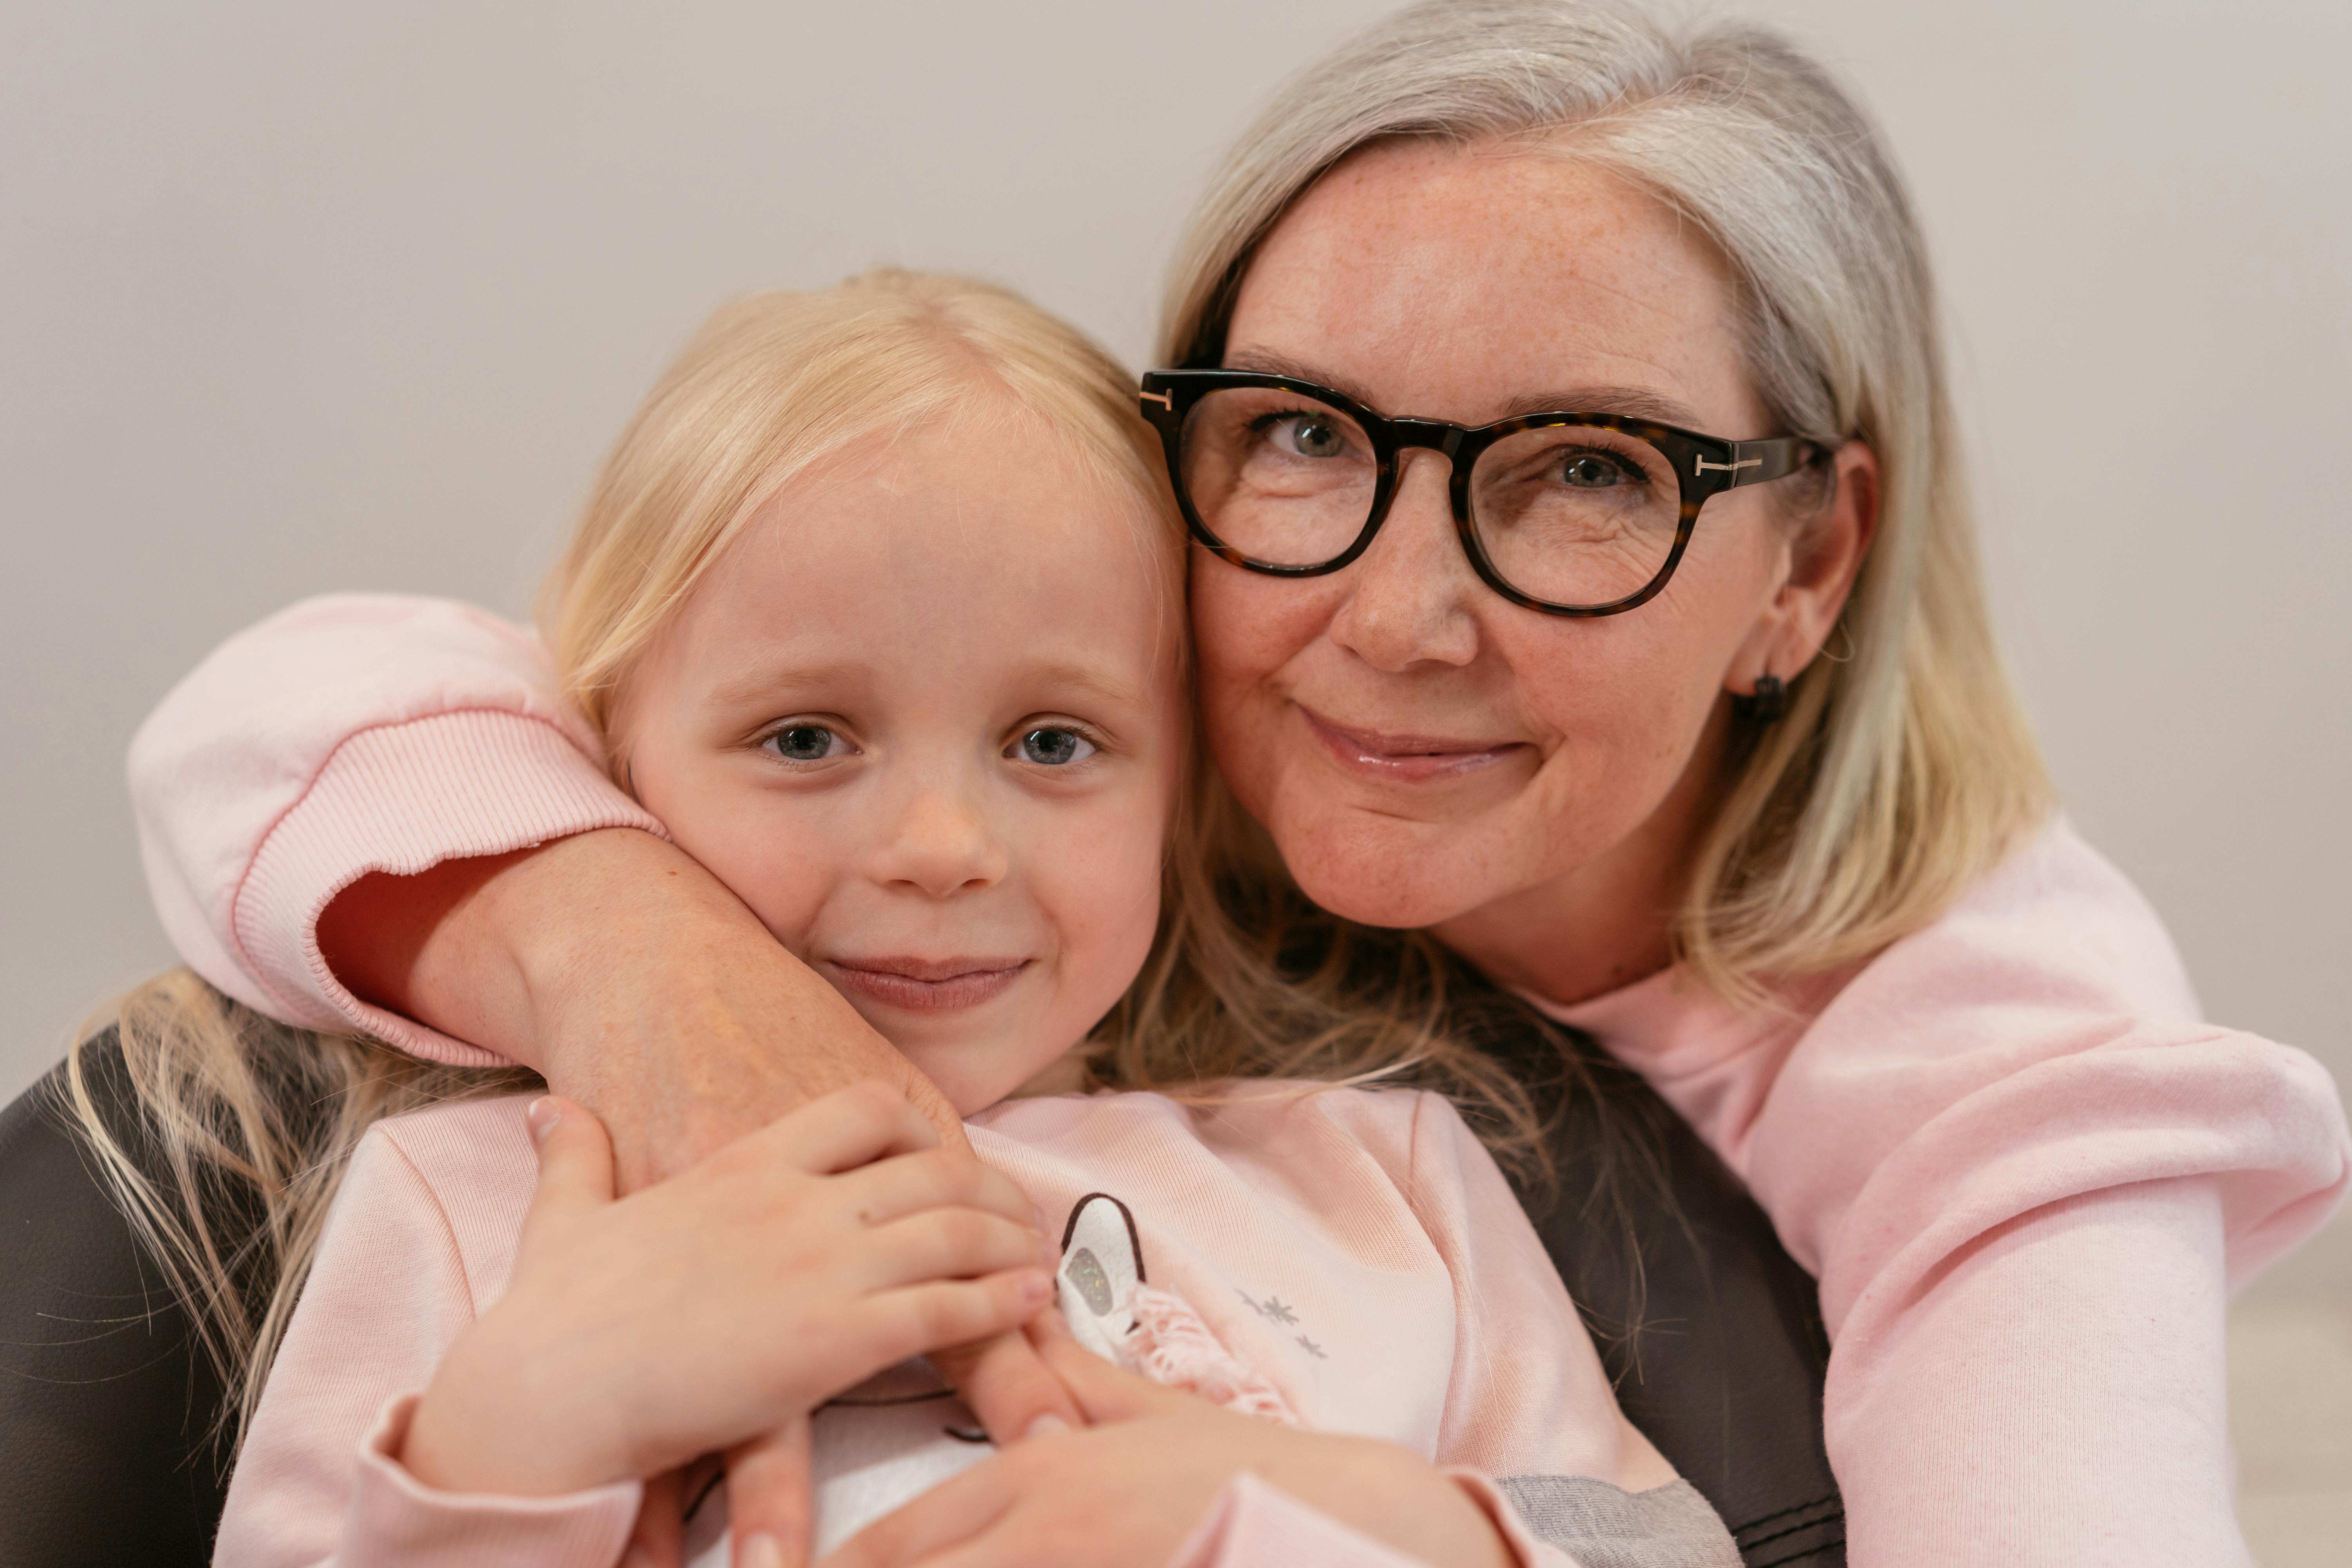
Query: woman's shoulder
[2054, 925]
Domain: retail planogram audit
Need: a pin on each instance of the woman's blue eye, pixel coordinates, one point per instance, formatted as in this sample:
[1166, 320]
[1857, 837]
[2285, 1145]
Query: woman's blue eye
[1592, 472]
[804, 743]
[1053, 747]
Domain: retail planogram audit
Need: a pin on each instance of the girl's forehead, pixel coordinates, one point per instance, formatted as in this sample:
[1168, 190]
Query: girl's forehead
[957, 556]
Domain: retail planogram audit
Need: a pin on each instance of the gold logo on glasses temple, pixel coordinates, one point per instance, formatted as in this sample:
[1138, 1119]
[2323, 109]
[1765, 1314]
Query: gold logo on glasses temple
[1162, 398]
[1700, 464]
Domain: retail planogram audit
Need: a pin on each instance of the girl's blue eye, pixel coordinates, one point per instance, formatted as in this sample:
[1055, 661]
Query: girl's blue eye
[804, 743]
[1053, 747]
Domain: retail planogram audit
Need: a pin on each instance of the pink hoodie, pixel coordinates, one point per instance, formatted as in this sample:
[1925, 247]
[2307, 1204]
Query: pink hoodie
[2025, 1174]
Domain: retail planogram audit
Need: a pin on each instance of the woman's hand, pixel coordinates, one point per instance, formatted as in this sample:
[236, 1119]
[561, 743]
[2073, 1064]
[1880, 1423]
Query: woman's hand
[700, 1314]
[1131, 1488]
[630, 978]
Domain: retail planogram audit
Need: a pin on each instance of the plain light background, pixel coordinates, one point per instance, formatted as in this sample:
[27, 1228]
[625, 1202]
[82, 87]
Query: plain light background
[297, 297]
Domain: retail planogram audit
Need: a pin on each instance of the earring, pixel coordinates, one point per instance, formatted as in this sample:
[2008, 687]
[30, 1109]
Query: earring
[1765, 704]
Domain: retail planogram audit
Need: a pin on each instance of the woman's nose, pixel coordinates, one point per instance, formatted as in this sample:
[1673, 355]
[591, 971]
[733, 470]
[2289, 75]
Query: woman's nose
[941, 846]
[1409, 596]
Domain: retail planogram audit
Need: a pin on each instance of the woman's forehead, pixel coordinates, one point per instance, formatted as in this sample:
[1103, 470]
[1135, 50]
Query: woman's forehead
[1462, 282]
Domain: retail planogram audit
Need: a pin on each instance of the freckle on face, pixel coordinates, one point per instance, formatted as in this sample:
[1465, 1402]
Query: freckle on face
[1449, 283]
[925, 603]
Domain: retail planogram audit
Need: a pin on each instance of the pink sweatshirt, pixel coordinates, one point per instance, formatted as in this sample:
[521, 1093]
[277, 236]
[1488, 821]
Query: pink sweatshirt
[2024, 1173]
[1342, 1260]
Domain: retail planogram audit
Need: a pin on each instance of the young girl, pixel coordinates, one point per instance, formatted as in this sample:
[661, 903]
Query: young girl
[930, 722]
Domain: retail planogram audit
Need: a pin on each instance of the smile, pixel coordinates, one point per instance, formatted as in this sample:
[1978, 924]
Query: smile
[928, 985]
[1404, 759]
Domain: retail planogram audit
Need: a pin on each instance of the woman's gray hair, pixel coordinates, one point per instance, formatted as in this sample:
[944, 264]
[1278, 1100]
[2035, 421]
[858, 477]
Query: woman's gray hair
[1903, 770]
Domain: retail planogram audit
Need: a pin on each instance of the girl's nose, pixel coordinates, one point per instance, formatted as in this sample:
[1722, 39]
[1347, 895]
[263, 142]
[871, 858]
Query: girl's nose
[943, 846]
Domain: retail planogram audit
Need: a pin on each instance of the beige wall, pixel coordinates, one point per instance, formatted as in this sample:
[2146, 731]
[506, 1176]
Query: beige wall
[297, 297]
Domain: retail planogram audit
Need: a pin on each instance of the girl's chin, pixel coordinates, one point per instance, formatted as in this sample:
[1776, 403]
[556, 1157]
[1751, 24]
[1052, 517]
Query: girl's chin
[974, 1074]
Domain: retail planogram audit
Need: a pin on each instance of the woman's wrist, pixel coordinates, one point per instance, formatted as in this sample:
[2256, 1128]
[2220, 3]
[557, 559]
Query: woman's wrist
[633, 980]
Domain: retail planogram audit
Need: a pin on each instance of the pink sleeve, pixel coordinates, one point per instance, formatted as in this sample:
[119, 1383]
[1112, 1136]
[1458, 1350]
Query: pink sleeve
[315, 1481]
[1254, 1525]
[350, 733]
[2025, 1176]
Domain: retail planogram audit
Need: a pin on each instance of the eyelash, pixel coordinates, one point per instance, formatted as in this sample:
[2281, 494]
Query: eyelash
[771, 742]
[1083, 733]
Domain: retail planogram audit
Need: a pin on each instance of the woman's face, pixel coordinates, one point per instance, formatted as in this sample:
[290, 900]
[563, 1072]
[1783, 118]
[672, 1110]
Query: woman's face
[1425, 752]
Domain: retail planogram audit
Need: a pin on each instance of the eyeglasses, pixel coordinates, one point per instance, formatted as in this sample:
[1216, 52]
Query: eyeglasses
[1571, 514]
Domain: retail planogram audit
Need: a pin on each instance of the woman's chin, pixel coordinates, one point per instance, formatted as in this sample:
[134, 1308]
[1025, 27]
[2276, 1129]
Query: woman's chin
[1389, 875]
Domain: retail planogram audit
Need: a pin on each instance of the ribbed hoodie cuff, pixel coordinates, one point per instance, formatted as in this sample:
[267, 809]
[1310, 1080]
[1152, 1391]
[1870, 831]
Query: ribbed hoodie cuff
[402, 798]
[395, 1518]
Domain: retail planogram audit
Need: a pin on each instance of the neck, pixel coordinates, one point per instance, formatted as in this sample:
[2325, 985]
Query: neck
[1605, 923]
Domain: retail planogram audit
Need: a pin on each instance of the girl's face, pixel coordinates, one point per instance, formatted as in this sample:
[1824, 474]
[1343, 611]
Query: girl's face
[928, 721]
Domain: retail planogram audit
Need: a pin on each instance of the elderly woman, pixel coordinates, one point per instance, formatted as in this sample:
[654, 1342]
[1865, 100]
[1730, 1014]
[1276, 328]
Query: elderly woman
[1719, 764]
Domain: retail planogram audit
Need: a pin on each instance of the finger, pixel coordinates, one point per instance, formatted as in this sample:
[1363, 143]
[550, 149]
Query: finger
[957, 1510]
[848, 1127]
[1010, 1387]
[657, 1540]
[890, 1189]
[924, 1095]
[575, 1159]
[943, 1244]
[919, 1318]
[1105, 1392]
[768, 1507]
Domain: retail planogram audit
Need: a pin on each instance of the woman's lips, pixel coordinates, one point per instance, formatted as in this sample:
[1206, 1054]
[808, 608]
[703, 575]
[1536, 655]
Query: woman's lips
[928, 985]
[1404, 759]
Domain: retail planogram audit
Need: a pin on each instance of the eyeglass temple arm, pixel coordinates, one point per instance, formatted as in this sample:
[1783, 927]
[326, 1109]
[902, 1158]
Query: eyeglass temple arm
[1758, 462]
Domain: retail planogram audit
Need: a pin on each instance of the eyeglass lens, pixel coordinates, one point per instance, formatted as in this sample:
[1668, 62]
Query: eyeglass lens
[1570, 514]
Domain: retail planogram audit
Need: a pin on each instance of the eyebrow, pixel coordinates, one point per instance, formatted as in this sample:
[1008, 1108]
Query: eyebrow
[764, 683]
[1629, 402]
[1063, 672]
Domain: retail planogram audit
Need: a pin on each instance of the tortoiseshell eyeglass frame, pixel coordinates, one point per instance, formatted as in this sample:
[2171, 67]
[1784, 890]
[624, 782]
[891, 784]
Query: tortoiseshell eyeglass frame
[1704, 467]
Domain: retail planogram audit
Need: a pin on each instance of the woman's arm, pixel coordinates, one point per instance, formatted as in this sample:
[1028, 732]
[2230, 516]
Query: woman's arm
[2026, 1178]
[376, 813]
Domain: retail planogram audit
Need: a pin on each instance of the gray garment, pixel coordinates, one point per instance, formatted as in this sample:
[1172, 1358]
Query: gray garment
[1603, 1526]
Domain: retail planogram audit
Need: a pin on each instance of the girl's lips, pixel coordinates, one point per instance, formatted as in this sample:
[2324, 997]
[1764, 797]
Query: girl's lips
[1403, 759]
[928, 985]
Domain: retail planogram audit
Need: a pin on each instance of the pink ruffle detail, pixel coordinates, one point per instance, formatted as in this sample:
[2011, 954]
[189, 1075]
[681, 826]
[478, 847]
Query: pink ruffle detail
[1171, 1346]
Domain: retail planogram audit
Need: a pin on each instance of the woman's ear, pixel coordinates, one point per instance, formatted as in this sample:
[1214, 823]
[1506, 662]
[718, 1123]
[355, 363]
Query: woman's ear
[1825, 557]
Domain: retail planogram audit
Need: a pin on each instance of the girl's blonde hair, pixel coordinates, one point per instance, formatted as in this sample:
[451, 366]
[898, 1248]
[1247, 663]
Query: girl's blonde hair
[1904, 768]
[231, 1113]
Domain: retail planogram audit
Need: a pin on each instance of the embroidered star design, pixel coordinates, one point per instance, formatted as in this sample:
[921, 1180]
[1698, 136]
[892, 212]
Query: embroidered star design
[1249, 1301]
[1311, 1348]
[1279, 1313]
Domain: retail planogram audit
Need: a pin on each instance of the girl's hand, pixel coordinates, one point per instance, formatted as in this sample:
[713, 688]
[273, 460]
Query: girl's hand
[1131, 1486]
[725, 1304]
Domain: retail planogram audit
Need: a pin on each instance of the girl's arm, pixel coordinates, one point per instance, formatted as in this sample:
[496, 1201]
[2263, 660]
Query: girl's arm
[631, 1336]
[2027, 1179]
[377, 813]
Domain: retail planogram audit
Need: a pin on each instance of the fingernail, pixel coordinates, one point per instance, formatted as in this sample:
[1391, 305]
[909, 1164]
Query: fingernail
[760, 1550]
[1045, 1426]
[637, 1557]
[542, 1117]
